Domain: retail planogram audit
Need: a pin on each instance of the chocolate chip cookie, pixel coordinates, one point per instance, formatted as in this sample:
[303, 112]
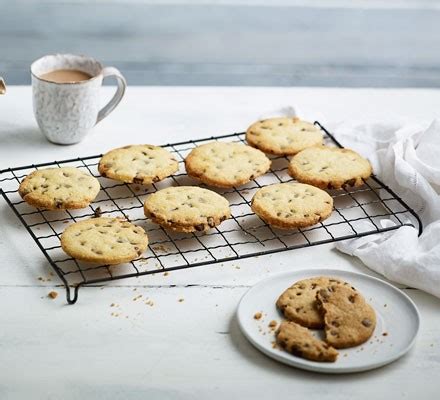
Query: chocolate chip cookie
[59, 188]
[283, 136]
[330, 167]
[187, 208]
[226, 164]
[143, 164]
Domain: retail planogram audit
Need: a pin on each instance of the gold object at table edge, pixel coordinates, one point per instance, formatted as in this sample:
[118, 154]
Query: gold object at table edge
[2, 86]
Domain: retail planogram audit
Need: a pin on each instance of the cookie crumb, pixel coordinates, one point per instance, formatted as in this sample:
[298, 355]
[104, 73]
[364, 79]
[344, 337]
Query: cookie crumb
[258, 315]
[160, 247]
[53, 295]
[149, 303]
[272, 324]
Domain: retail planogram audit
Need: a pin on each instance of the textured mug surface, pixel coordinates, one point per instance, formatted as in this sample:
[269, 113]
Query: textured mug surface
[66, 112]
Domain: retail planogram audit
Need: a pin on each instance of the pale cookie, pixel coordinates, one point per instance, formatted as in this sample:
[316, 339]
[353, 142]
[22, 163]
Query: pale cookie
[292, 205]
[104, 240]
[59, 188]
[349, 320]
[187, 208]
[330, 167]
[300, 342]
[142, 164]
[283, 136]
[226, 164]
[298, 302]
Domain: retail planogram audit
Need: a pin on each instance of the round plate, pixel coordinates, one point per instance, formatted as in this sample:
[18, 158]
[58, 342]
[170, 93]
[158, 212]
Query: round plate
[397, 324]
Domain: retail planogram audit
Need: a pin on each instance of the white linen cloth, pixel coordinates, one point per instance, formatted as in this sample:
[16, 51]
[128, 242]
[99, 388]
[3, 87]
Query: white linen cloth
[407, 159]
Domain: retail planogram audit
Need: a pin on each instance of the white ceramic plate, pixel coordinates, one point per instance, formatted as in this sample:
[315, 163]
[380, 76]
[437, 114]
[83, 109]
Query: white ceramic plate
[397, 325]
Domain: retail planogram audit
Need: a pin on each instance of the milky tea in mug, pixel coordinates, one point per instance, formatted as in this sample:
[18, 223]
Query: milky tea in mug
[66, 76]
[66, 95]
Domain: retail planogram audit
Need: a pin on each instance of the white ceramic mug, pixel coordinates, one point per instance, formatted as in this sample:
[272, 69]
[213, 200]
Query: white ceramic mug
[66, 112]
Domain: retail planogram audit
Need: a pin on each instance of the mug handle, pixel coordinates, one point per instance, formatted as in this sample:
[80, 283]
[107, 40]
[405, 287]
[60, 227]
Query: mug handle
[122, 84]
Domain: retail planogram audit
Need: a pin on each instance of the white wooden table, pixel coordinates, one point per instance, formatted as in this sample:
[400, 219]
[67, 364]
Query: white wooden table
[192, 348]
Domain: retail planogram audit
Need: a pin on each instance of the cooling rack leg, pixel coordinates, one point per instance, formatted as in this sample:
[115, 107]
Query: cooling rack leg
[70, 299]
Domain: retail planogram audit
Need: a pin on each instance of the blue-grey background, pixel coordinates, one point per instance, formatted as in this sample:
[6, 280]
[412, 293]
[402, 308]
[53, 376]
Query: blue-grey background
[387, 43]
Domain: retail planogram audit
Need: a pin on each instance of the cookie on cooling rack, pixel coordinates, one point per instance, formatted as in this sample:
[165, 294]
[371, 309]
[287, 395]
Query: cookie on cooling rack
[104, 240]
[300, 342]
[349, 320]
[142, 164]
[298, 302]
[186, 208]
[59, 188]
[330, 167]
[283, 136]
[292, 205]
[226, 164]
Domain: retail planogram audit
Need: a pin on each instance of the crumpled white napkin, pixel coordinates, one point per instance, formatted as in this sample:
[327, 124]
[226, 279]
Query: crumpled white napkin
[407, 159]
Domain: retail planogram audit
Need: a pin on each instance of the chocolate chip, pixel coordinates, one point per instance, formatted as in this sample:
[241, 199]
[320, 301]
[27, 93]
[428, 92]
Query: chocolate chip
[350, 182]
[138, 179]
[211, 222]
[200, 227]
[366, 322]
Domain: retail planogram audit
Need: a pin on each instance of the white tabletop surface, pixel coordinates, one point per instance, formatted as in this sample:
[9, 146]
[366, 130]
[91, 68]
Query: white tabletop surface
[193, 348]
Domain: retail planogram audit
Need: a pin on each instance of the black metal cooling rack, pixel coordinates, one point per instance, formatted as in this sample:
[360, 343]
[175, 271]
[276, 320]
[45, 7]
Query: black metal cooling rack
[357, 212]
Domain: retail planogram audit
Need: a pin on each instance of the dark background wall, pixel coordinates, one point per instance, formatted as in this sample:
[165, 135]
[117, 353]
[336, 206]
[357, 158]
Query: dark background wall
[293, 43]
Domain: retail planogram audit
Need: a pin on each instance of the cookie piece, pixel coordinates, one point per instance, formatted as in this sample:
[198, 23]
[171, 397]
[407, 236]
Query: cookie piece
[300, 342]
[349, 320]
[283, 136]
[142, 164]
[226, 164]
[59, 188]
[330, 167]
[186, 208]
[104, 240]
[298, 302]
[292, 205]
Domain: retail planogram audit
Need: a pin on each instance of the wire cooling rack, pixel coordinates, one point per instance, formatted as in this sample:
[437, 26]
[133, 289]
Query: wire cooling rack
[357, 212]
